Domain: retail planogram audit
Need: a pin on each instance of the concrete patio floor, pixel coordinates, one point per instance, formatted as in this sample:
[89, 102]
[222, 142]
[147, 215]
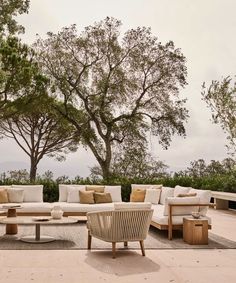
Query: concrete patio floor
[178, 266]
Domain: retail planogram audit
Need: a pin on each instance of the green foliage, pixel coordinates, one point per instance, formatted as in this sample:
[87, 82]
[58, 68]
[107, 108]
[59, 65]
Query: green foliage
[38, 129]
[123, 88]
[19, 72]
[8, 10]
[221, 99]
[225, 183]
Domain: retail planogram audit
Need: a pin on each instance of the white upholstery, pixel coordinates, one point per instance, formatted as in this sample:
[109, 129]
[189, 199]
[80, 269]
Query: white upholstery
[80, 207]
[73, 193]
[205, 197]
[63, 190]
[181, 190]
[165, 193]
[152, 195]
[115, 192]
[36, 207]
[32, 193]
[158, 216]
[145, 186]
[184, 210]
[15, 195]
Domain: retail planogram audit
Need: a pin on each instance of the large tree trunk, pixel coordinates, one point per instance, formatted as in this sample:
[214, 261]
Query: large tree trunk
[33, 170]
[105, 166]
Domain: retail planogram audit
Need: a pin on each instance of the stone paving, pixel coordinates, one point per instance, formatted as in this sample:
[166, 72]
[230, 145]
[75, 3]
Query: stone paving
[182, 266]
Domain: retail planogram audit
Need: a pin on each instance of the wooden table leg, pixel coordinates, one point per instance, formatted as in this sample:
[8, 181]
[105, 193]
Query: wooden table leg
[11, 229]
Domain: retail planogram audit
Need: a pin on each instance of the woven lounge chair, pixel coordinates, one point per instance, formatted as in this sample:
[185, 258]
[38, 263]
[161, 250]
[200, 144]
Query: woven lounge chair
[119, 226]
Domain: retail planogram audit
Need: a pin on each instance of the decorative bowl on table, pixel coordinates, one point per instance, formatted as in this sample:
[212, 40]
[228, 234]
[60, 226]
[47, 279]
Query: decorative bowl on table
[196, 215]
[57, 212]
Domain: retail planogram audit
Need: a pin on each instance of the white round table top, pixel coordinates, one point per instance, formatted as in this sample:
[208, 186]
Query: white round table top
[10, 206]
[29, 220]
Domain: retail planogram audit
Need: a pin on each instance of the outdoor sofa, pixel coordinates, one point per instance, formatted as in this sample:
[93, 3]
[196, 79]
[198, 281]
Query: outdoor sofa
[169, 208]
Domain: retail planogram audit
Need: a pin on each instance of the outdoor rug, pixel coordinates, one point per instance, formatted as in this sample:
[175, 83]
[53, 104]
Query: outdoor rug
[69, 237]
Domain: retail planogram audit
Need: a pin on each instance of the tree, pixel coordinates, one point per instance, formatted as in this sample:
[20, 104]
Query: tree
[198, 168]
[39, 130]
[221, 99]
[8, 10]
[19, 72]
[121, 86]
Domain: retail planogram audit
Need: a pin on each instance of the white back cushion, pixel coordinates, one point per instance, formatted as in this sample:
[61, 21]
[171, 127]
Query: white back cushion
[131, 205]
[15, 195]
[63, 190]
[181, 190]
[184, 210]
[115, 192]
[205, 197]
[73, 193]
[165, 193]
[32, 193]
[145, 186]
[152, 195]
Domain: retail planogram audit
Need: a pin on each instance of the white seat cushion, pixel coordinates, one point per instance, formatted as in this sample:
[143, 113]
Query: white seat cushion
[159, 218]
[36, 207]
[80, 207]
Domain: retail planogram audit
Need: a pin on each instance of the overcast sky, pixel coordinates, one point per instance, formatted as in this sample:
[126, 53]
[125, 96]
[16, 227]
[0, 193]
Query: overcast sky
[205, 32]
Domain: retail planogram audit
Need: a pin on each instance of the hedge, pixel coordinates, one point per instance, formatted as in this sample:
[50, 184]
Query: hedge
[225, 183]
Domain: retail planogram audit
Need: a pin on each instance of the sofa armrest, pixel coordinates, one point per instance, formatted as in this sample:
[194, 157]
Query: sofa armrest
[181, 204]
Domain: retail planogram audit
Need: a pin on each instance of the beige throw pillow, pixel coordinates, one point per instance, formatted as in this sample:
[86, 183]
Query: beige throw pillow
[138, 195]
[3, 196]
[95, 188]
[102, 197]
[86, 197]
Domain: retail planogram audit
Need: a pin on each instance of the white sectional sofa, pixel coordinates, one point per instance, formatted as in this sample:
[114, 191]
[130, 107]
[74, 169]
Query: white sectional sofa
[166, 215]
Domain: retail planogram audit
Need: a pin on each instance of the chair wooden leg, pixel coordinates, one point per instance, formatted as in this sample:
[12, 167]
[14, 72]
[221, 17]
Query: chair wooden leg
[126, 244]
[142, 247]
[113, 249]
[89, 240]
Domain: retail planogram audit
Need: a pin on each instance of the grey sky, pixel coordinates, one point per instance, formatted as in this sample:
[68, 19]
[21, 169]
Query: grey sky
[205, 32]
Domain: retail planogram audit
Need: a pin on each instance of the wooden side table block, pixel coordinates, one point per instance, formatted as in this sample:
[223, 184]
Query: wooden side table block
[11, 229]
[195, 231]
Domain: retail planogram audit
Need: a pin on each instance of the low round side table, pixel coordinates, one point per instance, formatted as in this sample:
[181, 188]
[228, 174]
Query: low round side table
[11, 229]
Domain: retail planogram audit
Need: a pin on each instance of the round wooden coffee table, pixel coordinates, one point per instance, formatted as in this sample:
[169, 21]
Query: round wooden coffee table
[37, 221]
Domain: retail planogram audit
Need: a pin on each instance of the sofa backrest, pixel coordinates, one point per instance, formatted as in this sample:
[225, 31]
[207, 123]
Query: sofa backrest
[181, 210]
[31, 193]
[70, 192]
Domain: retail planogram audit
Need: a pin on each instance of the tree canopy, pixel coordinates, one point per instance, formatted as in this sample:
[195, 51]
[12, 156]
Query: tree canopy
[123, 87]
[8, 10]
[19, 72]
[221, 99]
[39, 130]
